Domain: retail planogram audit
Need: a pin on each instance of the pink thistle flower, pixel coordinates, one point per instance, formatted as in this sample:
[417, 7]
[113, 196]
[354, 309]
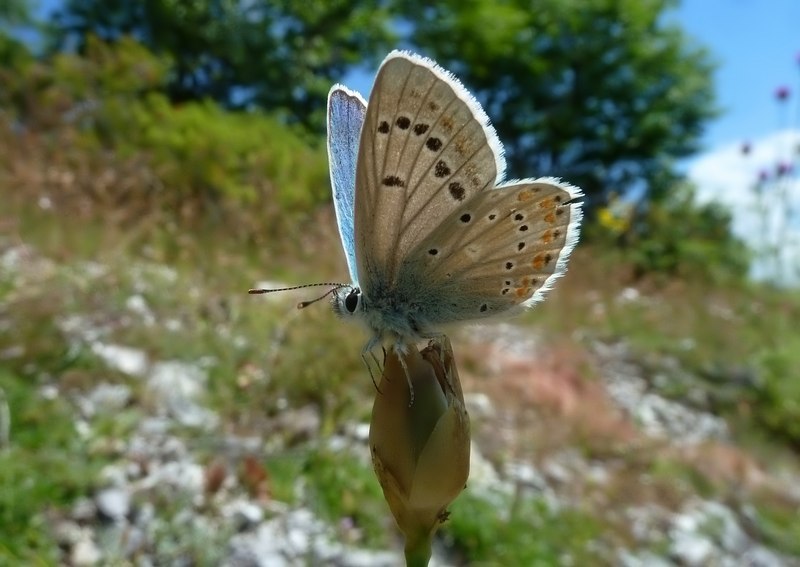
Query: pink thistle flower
[783, 168]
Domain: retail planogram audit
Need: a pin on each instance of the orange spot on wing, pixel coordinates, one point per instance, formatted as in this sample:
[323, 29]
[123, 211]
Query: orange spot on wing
[522, 292]
[538, 262]
[447, 123]
[525, 195]
[462, 146]
[550, 218]
[547, 237]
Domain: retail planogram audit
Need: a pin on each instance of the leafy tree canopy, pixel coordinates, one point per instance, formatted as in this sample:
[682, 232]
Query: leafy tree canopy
[604, 93]
[275, 54]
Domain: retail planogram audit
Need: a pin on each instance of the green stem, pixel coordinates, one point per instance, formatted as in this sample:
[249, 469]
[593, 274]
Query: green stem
[418, 549]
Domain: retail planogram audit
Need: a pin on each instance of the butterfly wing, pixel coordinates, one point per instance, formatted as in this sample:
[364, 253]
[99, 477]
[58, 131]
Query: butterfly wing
[426, 149]
[346, 110]
[497, 253]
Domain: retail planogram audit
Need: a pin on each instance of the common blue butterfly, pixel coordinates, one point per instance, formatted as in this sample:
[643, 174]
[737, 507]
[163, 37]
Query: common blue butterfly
[431, 233]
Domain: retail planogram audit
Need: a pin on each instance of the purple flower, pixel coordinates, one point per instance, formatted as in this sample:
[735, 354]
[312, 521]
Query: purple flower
[746, 148]
[763, 176]
[782, 93]
[784, 168]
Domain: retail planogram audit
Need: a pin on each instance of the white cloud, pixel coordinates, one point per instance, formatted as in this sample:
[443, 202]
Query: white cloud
[728, 176]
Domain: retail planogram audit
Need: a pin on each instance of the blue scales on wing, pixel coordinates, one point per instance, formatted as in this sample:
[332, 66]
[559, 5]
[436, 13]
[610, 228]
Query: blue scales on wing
[346, 111]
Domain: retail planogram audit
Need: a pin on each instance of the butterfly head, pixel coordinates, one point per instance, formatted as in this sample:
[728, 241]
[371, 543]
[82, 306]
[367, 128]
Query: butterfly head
[347, 301]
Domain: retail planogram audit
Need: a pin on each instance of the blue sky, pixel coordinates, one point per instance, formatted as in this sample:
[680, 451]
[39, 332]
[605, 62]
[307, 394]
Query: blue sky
[756, 43]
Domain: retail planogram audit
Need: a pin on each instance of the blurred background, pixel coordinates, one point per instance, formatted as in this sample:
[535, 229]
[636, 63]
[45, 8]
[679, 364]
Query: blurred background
[160, 157]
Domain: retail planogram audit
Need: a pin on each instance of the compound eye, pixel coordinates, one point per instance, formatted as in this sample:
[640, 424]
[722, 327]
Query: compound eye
[351, 301]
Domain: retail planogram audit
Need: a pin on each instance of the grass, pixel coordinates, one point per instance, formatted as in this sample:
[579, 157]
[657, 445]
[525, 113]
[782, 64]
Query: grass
[46, 468]
[509, 530]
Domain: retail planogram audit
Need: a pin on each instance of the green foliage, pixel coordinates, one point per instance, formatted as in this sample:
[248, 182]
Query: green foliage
[777, 399]
[109, 103]
[779, 524]
[345, 488]
[277, 54]
[604, 93]
[518, 531]
[679, 237]
[42, 439]
[14, 12]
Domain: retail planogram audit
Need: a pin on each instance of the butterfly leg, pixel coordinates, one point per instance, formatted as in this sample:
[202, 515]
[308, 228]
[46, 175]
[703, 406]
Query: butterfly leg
[401, 348]
[369, 351]
[439, 338]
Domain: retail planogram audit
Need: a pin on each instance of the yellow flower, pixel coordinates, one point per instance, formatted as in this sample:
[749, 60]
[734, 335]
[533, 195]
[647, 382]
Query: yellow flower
[420, 451]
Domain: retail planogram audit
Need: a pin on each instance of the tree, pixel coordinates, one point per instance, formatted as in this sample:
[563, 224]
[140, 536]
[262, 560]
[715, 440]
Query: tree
[604, 93]
[276, 54]
[14, 16]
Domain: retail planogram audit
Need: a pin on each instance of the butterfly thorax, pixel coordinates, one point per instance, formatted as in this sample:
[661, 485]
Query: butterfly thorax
[389, 316]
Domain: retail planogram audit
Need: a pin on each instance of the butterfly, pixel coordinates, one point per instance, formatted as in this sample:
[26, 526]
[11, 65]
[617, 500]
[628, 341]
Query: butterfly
[431, 233]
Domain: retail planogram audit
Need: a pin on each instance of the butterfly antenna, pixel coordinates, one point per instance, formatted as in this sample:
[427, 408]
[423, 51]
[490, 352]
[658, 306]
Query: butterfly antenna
[302, 304]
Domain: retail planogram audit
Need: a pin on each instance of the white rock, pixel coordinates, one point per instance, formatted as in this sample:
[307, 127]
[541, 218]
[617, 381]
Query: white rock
[176, 388]
[85, 551]
[113, 503]
[479, 405]
[243, 513]
[128, 360]
[105, 398]
[691, 549]
[138, 304]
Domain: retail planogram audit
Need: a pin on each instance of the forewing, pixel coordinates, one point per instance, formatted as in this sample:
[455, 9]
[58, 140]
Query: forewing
[501, 250]
[426, 149]
[346, 110]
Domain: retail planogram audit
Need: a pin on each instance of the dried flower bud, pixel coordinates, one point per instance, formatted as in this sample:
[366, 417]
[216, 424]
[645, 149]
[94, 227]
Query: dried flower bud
[420, 451]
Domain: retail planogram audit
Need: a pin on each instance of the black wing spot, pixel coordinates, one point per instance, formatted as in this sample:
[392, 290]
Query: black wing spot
[559, 211]
[420, 129]
[523, 228]
[509, 265]
[466, 217]
[441, 169]
[403, 122]
[484, 307]
[492, 216]
[457, 191]
[520, 246]
[393, 181]
[433, 251]
[519, 216]
[384, 127]
[433, 144]
[505, 290]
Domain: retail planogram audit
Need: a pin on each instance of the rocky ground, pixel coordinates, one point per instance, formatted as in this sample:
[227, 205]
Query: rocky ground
[588, 426]
[155, 462]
